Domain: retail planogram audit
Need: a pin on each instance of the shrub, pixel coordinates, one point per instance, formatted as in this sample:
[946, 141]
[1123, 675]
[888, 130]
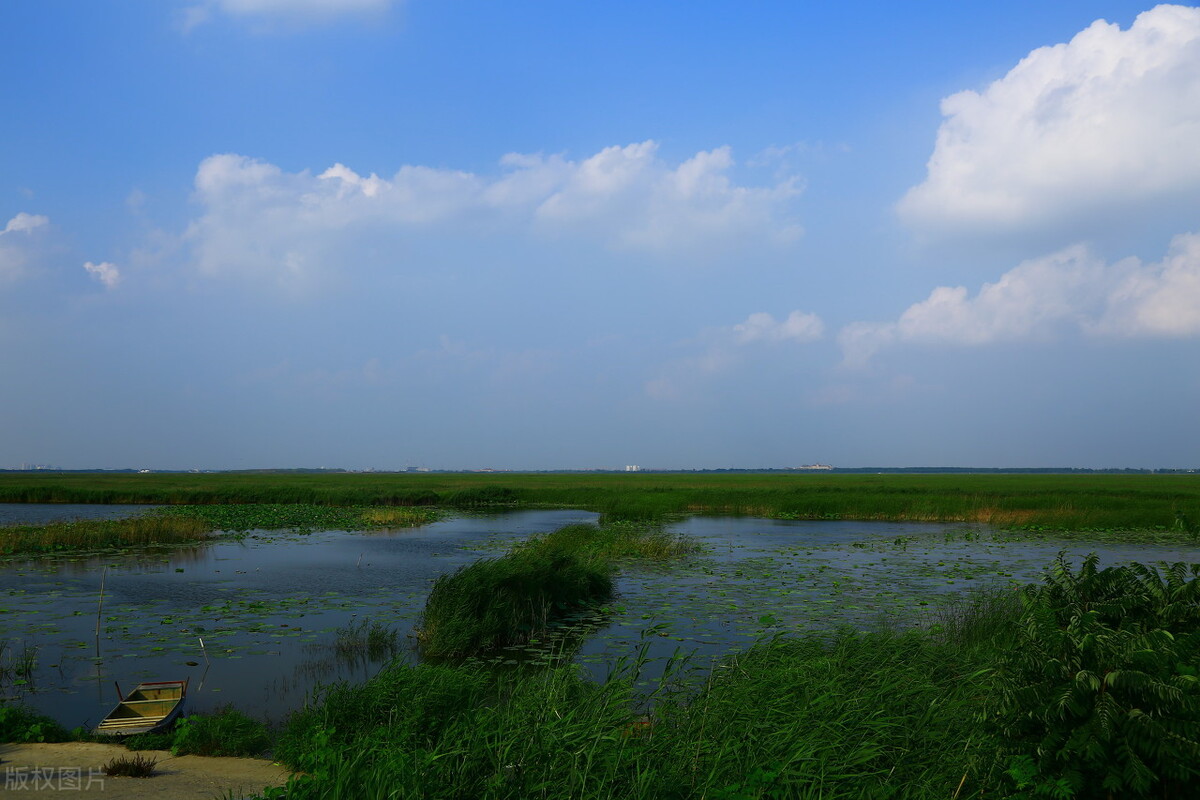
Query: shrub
[1102, 683]
[19, 725]
[226, 733]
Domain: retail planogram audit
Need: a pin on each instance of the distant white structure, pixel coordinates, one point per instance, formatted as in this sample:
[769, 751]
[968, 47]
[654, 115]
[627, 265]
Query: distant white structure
[632, 468]
[815, 466]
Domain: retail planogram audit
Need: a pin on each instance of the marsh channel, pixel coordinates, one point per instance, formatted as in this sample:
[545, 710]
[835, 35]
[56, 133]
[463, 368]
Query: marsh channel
[268, 606]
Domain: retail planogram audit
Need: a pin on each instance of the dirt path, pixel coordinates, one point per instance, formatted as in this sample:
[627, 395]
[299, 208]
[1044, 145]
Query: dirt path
[73, 769]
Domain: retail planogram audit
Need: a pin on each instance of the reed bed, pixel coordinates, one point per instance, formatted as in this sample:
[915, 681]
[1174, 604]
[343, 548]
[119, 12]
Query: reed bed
[511, 600]
[101, 534]
[192, 524]
[1164, 502]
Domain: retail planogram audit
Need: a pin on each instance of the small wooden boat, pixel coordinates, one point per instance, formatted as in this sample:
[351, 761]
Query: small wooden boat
[148, 708]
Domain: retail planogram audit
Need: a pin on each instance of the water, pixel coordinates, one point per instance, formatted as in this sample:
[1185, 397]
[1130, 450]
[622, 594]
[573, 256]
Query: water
[42, 513]
[267, 607]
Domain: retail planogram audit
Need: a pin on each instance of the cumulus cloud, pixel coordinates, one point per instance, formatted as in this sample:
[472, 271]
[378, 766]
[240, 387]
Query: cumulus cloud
[105, 272]
[1071, 290]
[1108, 121]
[261, 219]
[15, 244]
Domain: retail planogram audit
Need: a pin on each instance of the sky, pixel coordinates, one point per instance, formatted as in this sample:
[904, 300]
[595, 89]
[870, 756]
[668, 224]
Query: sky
[458, 234]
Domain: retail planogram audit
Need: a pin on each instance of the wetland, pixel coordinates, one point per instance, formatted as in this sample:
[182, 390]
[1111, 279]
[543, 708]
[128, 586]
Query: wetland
[913, 604]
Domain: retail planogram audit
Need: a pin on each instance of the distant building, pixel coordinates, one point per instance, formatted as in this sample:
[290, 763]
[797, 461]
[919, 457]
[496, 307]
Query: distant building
[632, 468]
[815, 466]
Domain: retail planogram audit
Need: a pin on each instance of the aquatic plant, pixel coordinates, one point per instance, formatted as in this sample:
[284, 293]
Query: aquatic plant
[508, 600]
[366, 638]
[96, 534]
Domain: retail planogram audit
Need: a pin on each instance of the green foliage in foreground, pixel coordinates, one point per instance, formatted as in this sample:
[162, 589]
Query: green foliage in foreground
[1101, 690]
[1081, 687]
[510, 600]
[1168, 505]
[226, 733]
[19, 724]
[866, 715]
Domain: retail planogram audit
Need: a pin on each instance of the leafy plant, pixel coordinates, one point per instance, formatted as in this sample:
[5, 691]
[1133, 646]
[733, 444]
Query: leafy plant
[226, 733]
[1101, 683]
[19, 724]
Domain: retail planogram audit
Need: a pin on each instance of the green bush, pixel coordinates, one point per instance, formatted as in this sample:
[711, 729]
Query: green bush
[226, 733]
[19, 725]
[1100, 697]
[509, 600]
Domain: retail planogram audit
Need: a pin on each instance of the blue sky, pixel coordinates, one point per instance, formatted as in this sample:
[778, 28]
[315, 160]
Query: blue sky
[538, 235]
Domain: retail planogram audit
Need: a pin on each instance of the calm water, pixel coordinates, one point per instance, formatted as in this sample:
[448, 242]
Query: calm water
[267, 607]
[41, 513]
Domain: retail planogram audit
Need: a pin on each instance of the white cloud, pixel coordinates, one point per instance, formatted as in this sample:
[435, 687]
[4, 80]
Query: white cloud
[761, 326]
[289, 12]
[15, 244]
[105, 272]
[1108, 121]
[260, 219]
[1041, 298]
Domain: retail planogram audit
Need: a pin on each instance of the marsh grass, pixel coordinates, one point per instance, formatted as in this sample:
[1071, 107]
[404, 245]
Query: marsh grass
[99, 534]
[852, 715]
[508, 601]
[374, 640]
[17, 666]
[192, 524]
[1164, 504]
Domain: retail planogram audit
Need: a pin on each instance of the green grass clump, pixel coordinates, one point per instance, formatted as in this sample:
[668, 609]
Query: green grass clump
[510, 600]
[366, 638]
[19, 724]
[99, 534]
[137, 766]
[619, 540]
[226, 733]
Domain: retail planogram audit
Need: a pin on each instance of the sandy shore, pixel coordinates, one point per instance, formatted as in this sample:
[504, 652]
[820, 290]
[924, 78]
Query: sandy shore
[73, 769]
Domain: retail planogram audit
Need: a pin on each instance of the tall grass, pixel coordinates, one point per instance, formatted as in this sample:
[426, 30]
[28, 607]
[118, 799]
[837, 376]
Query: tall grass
[861, 715]
[97, 534]
[1062, 502]
[190, 524]
[510, 600]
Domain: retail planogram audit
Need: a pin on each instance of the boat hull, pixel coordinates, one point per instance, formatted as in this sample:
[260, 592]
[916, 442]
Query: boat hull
[149, 708]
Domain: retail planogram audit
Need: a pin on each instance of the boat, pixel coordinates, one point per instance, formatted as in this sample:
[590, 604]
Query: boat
[150, 707]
